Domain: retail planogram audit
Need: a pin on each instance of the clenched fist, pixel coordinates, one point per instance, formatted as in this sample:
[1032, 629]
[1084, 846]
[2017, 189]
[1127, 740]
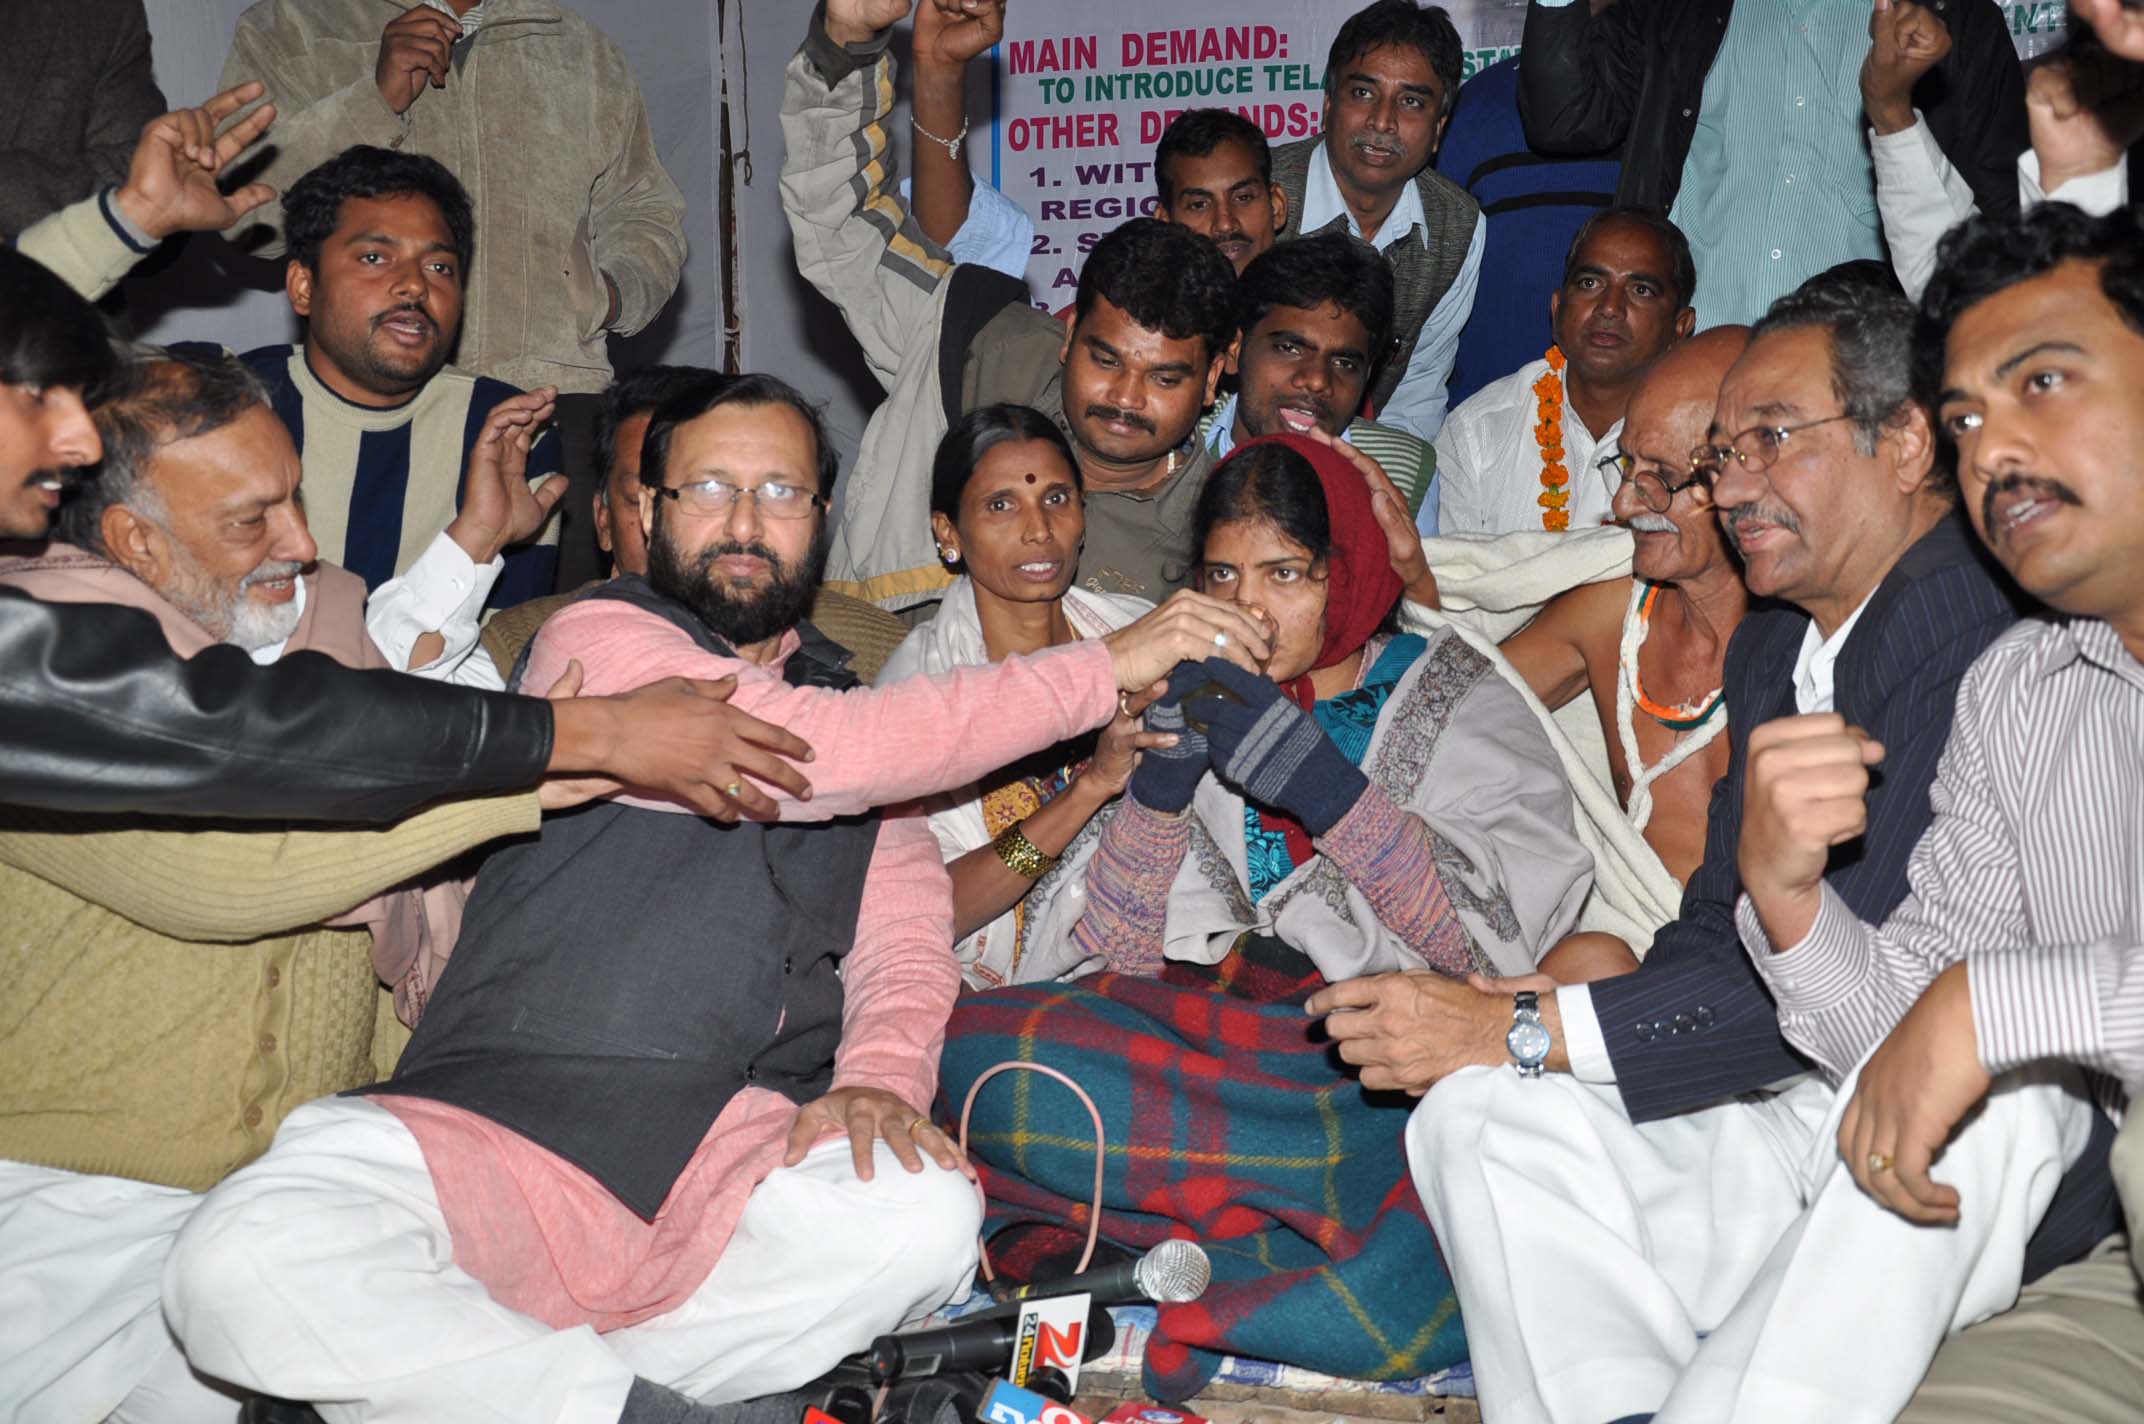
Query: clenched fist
[851, 22]
[1906, 41]
[1806, 790]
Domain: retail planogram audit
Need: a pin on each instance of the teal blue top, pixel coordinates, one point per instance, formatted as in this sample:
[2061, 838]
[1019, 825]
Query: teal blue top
[1348, 719]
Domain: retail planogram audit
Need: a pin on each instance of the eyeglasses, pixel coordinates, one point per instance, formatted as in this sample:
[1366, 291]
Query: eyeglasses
[1755, 449]
[774, 501]
[1649, 484]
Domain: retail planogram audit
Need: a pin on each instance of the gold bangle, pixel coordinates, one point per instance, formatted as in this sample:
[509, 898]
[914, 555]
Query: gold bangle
[1021, 855]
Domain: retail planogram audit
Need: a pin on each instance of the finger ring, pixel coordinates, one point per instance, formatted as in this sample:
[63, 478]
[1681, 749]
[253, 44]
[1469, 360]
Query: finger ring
[919, 1120]
[1879, 1162]
[734, 790]
[1124, 704]
[1220, 640]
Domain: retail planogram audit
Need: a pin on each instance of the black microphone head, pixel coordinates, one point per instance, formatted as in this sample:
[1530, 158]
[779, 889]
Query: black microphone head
[1174, 1272]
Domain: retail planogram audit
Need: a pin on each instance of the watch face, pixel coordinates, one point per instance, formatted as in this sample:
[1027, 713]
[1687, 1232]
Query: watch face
[1528, 1042]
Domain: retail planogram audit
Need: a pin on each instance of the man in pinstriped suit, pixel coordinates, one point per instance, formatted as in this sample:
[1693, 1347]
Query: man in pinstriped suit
[1601, 1221]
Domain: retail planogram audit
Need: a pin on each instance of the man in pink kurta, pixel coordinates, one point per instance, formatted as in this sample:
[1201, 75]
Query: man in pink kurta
[660, 1140]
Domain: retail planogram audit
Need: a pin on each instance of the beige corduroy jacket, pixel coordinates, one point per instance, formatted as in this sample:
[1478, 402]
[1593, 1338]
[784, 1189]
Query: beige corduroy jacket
[543, 123]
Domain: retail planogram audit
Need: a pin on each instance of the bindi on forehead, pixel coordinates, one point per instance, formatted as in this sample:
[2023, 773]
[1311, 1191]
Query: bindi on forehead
[1030, 476]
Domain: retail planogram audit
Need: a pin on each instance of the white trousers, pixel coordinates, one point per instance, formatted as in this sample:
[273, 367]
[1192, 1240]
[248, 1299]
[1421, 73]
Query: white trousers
[82, 1334]
[324, 1272]
[1590, 1254]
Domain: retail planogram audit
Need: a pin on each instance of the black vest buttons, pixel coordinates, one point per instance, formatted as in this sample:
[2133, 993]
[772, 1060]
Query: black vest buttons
[1644, 1031]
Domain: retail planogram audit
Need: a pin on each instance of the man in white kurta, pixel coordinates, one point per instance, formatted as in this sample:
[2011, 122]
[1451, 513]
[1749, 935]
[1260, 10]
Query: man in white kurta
[1625, 298]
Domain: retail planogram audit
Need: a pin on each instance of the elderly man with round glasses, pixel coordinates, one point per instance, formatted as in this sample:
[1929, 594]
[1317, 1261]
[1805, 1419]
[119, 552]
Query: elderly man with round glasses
[1651, 648]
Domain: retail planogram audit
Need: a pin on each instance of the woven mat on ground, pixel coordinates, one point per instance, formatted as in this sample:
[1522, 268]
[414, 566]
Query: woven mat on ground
[1229, 1123]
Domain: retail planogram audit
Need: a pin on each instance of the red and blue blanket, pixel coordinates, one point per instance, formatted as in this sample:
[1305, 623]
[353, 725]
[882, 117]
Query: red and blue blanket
[1230, 1122]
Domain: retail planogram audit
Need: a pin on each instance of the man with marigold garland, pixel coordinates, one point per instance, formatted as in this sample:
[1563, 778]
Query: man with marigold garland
[1524, 451]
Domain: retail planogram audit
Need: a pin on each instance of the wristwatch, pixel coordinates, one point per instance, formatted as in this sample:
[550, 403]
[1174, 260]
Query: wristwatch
[1528, 1041]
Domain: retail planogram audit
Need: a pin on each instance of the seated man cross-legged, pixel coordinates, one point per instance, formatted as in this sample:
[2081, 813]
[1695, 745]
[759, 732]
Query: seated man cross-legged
[1612, 1222]
[177, 992]
[1989, 1026]
[659, 1139]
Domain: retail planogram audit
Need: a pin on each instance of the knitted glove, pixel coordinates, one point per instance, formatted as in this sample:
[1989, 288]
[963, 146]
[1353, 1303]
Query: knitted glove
[1166, 777]
[1273, 750]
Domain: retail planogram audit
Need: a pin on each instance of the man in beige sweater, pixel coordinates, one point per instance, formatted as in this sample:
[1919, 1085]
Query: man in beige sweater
[173, 994]
[538, 114]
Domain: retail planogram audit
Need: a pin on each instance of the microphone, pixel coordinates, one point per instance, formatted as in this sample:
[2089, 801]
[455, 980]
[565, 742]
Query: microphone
[1172, 1273]
[981, 1342]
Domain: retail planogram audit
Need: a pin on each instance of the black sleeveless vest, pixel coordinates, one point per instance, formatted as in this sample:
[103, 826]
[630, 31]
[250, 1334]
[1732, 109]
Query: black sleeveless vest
[619, 978]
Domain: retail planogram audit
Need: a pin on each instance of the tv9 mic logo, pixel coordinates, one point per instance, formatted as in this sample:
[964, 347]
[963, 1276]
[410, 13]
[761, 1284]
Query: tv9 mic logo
[1010, 1404]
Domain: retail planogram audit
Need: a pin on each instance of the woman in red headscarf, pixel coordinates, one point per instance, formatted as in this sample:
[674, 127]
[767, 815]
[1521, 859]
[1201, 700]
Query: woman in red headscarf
[1378, 801]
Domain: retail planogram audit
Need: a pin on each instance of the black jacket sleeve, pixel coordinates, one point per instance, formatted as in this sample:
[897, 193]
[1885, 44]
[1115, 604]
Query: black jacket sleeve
[98, 714]
[1580, 75]
[1975, 104]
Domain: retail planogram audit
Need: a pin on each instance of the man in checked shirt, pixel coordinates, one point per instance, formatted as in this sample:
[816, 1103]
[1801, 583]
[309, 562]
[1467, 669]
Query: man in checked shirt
[2007, 991]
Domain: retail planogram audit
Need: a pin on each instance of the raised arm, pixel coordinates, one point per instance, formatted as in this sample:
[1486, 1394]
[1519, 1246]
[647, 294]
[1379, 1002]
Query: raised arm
[949, 35]
[856, 240]
[171, 186]
[1979, 116]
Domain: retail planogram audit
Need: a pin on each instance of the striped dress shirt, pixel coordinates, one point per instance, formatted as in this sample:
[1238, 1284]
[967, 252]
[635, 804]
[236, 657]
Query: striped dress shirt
[2032, 873]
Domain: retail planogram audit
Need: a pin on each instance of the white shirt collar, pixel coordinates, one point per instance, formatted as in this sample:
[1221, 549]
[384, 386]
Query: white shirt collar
[262, 657]
[1816, 667]
[1322, 203]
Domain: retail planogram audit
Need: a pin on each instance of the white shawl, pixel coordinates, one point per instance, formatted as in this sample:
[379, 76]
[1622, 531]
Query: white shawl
[954, 638]
[1492, 586]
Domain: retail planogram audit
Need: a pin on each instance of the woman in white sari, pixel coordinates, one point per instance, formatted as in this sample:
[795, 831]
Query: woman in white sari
[1006, 510]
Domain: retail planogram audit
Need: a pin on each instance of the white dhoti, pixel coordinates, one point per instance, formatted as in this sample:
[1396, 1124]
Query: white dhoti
[82, 1334]
[324, 1272]
[1721, 1265]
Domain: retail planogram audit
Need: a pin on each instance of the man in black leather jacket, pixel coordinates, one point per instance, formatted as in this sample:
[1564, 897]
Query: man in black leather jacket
[98, 714]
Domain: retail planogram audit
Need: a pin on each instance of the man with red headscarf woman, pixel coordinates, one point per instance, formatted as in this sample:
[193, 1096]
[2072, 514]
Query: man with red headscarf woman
[1377, 801]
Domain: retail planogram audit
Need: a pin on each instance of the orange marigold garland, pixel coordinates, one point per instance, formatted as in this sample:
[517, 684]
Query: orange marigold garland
[1548, 434]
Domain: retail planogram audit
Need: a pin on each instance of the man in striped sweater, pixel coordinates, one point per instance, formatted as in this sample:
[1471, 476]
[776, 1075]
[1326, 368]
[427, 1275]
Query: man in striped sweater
[379, 244]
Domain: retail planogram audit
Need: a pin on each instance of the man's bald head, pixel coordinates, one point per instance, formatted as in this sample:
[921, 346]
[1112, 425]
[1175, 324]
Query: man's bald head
[1683, 378]
[1668, 416]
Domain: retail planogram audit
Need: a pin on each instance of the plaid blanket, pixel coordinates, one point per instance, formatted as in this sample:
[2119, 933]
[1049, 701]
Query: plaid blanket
[1229, 1123]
